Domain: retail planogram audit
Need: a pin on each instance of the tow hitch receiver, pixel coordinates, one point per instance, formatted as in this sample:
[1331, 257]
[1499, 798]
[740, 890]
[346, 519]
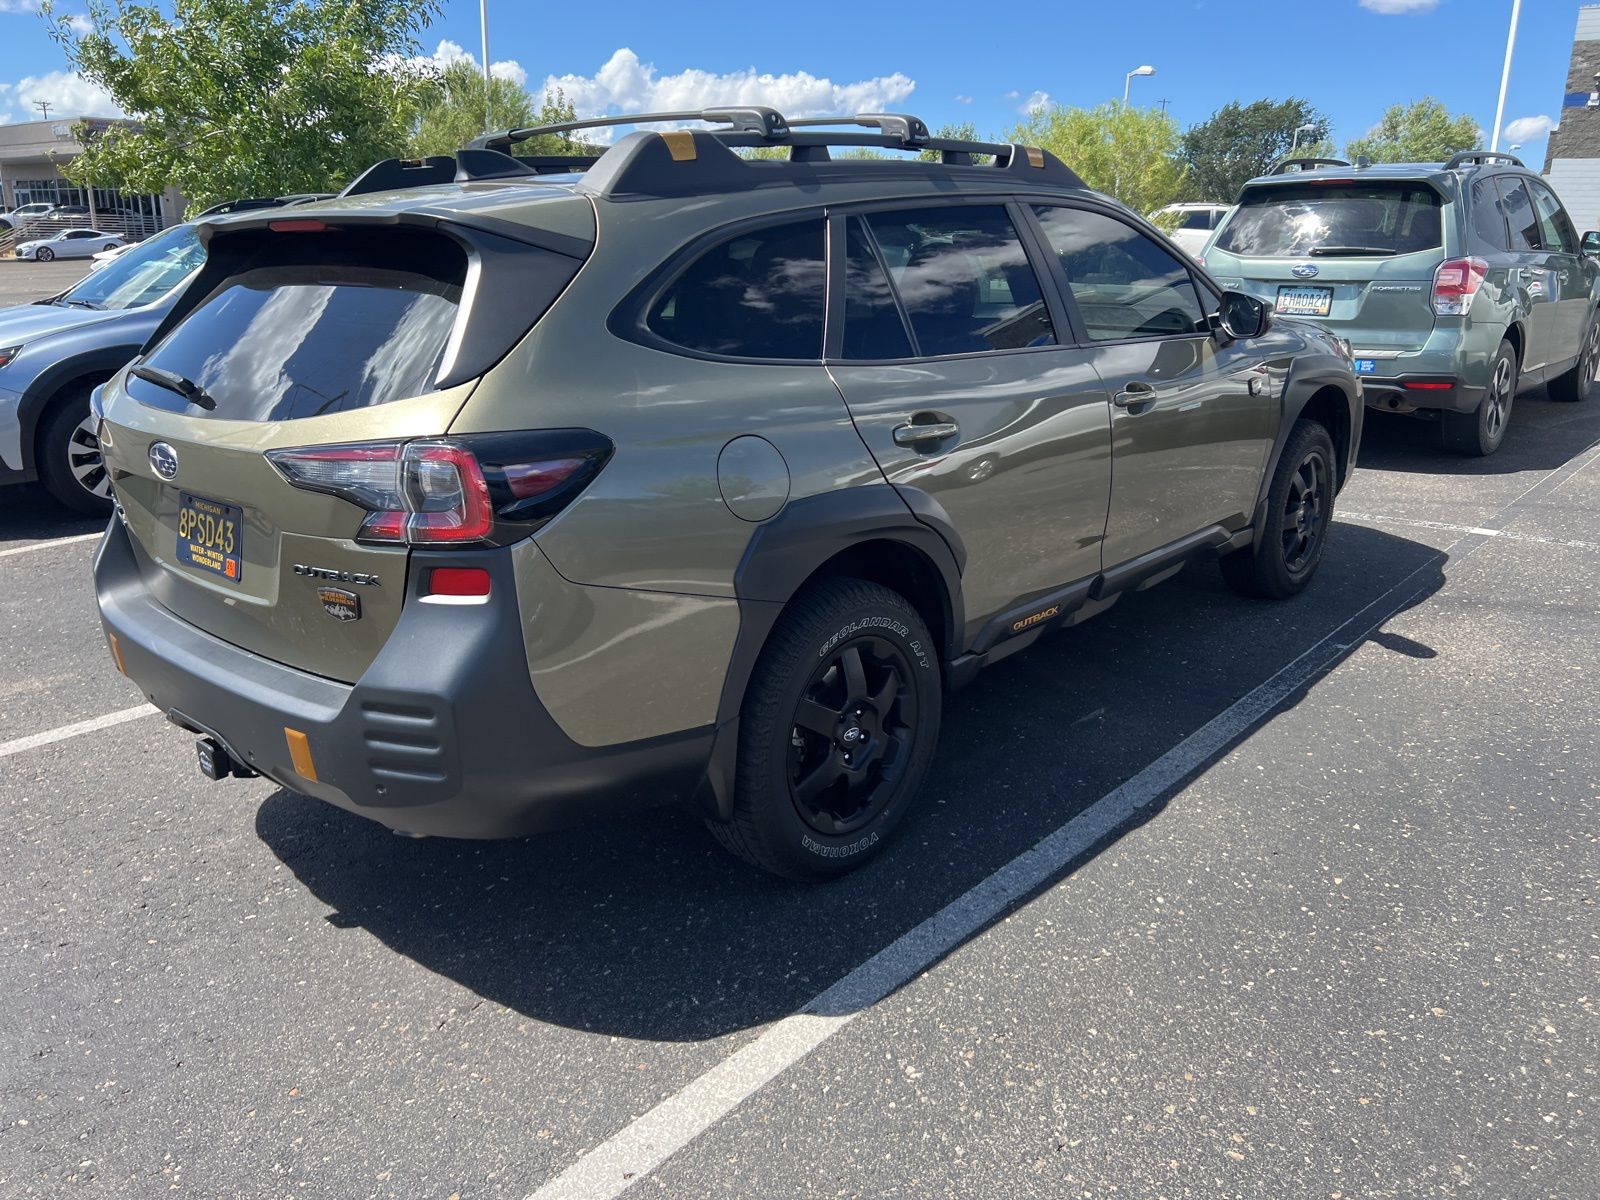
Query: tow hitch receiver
[216, 763]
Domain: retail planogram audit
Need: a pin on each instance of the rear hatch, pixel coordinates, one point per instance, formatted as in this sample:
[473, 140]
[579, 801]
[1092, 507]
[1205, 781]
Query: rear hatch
[1357, 256]
[300, 334]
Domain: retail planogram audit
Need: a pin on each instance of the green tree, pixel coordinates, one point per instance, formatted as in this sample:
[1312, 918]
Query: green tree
[247, 97]
[1240, 141]
[1130, 153]
[964, 131]
[454, 110]
[1420, 132]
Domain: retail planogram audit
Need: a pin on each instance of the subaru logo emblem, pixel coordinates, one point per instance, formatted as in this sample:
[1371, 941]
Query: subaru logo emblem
[164, 460]
[1305, 270]
[853, 734]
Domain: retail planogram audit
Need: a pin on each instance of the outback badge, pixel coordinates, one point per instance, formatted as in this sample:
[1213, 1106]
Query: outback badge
[340, 604]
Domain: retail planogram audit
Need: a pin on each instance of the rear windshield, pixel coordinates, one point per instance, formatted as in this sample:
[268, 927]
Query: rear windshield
[316, 323]
[1334, 219]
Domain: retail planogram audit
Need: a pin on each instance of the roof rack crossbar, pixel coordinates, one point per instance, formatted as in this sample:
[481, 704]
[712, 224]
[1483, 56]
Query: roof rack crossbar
[1288, 166]
[752, 119]
[903, 127]
[1480, 157]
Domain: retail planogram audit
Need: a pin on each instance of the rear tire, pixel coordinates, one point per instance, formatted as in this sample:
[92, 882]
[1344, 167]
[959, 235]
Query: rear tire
[1289, 549]
[836, 732]
[1479, 433]
[71, 466]
[1579, 383]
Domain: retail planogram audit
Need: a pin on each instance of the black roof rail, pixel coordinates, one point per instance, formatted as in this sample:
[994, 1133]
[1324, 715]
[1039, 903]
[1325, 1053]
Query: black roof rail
[394, 173]
[911, 131]
[1288, 166]
[1480, 157]
[755, 119]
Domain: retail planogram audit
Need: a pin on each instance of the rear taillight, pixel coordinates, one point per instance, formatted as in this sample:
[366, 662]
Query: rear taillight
[1455, 283]
[489, 488]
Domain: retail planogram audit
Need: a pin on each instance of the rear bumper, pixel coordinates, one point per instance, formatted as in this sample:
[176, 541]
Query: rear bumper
[1392, 395]
[442, 735]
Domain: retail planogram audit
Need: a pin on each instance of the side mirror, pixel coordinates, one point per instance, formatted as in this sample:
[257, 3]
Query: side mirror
[1242, 317]
[1591, 243]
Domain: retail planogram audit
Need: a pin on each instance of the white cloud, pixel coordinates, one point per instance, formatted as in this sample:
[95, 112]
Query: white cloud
[68, 94]
[624, 84]
[79, 22]
[1034, 102]
[1391, 7]
[1525, 129]
[448, 53]
[963, 99]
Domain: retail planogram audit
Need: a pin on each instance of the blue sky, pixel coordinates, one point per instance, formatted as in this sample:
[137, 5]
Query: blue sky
[948, 61]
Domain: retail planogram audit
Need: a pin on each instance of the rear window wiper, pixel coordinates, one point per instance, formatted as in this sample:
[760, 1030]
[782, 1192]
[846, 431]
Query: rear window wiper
[1330, 250]
[173, 382]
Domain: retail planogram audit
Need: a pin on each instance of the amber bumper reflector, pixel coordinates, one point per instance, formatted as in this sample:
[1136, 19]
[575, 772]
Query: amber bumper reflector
[300, 753]
[116, 652]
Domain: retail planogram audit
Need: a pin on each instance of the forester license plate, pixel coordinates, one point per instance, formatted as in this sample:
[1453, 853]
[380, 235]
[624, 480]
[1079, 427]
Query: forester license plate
[211, 536]
[1305, 301]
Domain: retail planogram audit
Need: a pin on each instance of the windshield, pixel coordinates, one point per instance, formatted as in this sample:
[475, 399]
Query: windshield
[1294, 220]
[142, 275]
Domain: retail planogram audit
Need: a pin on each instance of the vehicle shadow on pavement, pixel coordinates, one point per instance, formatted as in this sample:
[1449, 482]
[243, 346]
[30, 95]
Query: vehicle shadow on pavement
[28, 514]
[641, 928]
[1542, 436]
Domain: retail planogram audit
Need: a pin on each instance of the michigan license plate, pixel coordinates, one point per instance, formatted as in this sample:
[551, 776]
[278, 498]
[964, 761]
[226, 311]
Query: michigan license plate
[211, 536]
[1305, 301]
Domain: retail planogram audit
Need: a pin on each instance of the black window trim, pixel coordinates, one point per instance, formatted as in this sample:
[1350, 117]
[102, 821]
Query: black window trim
[630, 319]
[1202, 283]
[840, 215]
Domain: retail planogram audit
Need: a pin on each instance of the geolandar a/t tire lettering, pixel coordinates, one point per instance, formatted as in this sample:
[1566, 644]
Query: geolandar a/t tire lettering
[836, 732]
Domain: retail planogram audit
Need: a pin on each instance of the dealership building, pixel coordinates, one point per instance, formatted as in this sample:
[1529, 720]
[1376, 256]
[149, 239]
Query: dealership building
[1572, 157]
[32, 154]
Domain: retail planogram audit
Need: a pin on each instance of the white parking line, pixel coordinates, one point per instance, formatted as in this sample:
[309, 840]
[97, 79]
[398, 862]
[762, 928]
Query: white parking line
[66, 541]
[1380, 519]
[34, 740]
[641, 1146]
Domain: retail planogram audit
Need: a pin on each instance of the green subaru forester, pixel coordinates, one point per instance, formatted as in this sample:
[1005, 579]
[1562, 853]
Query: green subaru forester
[1457, 285]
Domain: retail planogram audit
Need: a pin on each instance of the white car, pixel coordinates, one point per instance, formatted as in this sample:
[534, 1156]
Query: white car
[70, 243]
[102, 257]
[1195, 224]
[29, 212]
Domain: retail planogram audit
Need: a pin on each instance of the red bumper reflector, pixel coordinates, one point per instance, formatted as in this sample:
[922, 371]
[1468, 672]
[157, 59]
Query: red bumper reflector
[1427, 385]
[458, 581]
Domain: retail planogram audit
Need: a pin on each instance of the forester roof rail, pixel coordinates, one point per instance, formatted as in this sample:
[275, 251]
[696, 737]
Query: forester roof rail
[1477, 158]
[1288, 166]
[683, 162]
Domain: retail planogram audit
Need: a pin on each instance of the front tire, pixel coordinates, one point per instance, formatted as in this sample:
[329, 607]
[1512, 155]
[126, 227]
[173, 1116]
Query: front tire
[71, 465]
[836, 731]
[1579, 383]
[44, 254]
[1289, 549]
[1479, 433]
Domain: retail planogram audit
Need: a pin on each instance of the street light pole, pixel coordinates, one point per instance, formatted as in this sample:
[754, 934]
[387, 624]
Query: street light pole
[488, 98]
[1295, 144]
[1128, 81]
[1505, 73]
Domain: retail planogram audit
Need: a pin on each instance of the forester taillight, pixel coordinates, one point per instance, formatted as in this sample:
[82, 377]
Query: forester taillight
[1455, 283]
[483, 488]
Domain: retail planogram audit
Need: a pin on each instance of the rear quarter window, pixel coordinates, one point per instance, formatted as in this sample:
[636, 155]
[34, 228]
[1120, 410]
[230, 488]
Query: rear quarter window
[1295, 220]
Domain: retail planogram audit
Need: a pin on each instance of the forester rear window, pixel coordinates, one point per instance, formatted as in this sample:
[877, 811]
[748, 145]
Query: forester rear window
[1335, 220]
[314, 323]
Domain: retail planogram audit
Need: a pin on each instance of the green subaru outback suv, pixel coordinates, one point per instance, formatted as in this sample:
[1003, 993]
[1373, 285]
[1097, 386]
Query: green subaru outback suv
[499, 492]
[1457, 284]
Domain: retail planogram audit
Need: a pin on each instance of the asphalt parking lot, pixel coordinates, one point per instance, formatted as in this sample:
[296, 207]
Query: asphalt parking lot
[21, 282]
[1206, 898]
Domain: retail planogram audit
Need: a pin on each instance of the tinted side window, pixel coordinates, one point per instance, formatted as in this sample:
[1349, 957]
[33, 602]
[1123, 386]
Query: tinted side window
[1126, 285]
[964, 279]
[1488, 220]
[757, 295]
[1519, 212]
[1195, 218]
[1554, 227]
[873, 328]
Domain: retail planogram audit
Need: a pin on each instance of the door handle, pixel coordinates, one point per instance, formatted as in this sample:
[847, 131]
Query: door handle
[919, 435]
[1134, 392]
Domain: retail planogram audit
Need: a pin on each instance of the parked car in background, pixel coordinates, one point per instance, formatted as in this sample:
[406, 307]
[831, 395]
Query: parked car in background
[703, 559]
[69, 243]
[1457, 284]
[31, 212]
[251, 203]
[54, 353]
[101, 257]
[1195, 223]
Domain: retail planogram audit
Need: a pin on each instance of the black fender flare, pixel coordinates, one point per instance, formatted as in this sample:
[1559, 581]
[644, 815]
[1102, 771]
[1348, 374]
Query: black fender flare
[789, 549]
[99, 365]
[1309, 373]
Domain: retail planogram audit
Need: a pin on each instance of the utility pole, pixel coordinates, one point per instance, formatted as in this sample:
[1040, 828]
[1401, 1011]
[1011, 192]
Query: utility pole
[1163, 102]
[1505, 74]
[488, 93]
[44, 108]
